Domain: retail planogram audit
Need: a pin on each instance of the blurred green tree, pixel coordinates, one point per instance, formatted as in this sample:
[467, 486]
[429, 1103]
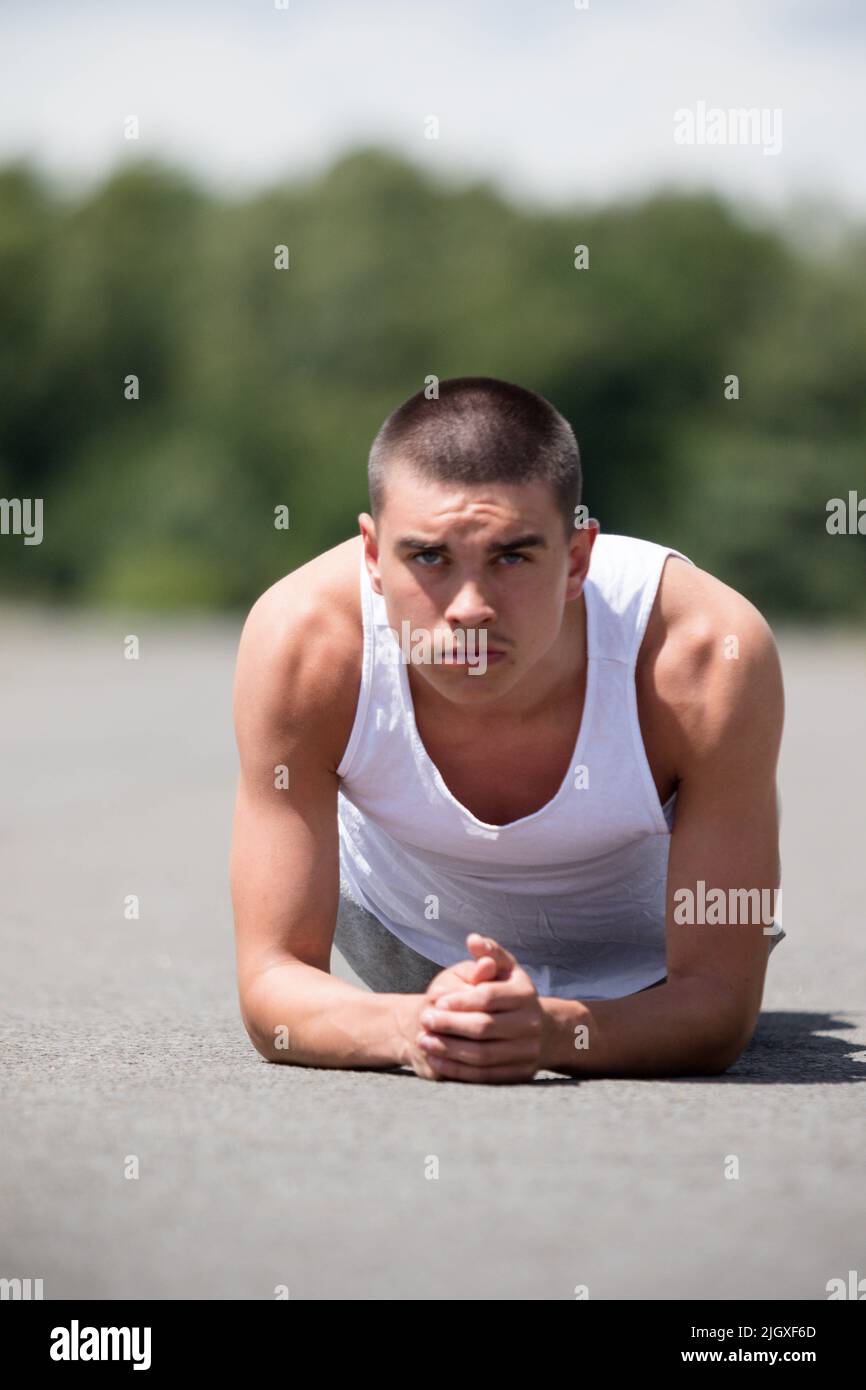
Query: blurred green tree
[262, 387]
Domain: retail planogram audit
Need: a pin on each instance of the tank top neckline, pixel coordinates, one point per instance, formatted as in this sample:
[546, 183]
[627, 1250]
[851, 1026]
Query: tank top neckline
[576, 755]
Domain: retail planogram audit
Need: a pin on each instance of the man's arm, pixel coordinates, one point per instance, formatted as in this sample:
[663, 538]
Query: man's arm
[728, 710]
[293, 705]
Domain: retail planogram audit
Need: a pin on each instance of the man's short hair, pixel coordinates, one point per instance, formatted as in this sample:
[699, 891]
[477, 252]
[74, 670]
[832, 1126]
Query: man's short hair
[479, 430]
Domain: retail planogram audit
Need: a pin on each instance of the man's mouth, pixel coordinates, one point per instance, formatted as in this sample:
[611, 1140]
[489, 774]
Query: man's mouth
[492, 654]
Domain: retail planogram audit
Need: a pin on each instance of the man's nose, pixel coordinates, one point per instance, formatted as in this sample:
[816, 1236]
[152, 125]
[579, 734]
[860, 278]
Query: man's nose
[469, 607]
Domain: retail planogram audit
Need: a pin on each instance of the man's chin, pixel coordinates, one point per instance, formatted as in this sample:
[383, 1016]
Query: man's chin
[468, 681]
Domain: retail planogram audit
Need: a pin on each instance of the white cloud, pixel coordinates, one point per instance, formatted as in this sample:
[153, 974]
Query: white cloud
[554, 103]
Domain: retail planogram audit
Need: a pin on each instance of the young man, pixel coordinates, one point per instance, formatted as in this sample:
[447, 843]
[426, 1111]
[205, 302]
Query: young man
[522, 775]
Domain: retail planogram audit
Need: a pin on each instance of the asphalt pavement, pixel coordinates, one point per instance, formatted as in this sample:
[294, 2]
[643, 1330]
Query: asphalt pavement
[123, 1051]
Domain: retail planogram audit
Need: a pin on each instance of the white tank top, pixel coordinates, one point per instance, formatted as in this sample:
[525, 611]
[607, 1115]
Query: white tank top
[576, 890]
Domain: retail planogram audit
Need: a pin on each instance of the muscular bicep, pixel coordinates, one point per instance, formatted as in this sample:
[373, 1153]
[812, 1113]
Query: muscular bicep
[285, 848]
[284, 869]
[724, 867]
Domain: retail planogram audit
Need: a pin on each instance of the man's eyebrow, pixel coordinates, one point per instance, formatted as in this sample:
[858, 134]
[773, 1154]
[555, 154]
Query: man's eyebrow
[495, 547]
[519, 543]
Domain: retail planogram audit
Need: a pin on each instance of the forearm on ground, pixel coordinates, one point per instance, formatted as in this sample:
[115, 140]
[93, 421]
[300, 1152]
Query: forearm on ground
[684, 1027]
[296, 1013]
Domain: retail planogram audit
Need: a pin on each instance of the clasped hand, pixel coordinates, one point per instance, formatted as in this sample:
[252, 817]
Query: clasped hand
[480, 1020]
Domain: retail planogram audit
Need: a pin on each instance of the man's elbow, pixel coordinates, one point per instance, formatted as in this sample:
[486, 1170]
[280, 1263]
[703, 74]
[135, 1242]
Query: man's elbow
[271, 1040]
[260, 1039]
[727, 1024]
[730, 1044]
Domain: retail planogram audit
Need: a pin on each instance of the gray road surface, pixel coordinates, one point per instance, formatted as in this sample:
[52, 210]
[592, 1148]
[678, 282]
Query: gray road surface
[124, 1038]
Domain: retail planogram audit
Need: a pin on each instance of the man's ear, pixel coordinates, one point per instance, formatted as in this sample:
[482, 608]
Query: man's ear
[579, 553]
[371, 549]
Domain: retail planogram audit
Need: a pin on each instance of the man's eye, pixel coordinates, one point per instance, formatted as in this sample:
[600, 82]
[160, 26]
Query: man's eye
[434, 555]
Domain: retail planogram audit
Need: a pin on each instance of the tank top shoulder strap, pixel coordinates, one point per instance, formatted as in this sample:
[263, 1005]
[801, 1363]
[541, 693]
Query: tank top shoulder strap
[621, 586]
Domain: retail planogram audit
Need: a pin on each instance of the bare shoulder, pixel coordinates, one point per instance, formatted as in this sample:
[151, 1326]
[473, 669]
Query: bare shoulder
[710, 666]
[299, 659]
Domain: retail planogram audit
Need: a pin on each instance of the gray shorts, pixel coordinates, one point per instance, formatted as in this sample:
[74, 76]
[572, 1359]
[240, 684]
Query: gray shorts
[385, 963]
[376, 955]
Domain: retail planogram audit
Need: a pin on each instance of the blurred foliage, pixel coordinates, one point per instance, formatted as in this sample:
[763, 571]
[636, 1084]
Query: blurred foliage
[262, 387]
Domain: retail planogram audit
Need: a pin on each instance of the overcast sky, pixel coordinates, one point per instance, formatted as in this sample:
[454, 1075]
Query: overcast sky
[553, 103]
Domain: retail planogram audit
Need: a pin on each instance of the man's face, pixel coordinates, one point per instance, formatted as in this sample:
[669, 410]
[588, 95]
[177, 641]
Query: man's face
[470, 559]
